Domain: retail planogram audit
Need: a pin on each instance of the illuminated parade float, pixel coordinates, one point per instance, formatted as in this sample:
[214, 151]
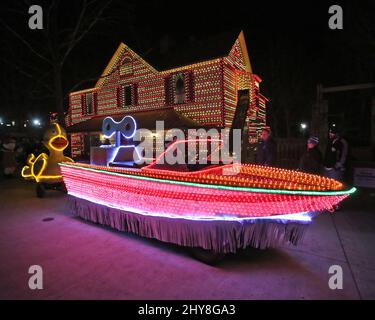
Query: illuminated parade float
[214, 206]
[198, 204]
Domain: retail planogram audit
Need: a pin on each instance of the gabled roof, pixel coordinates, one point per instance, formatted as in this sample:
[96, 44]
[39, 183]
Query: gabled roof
[114, 60]
[192, 51]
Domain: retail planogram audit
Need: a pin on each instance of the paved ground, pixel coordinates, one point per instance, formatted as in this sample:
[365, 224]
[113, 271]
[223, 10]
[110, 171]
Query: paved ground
[86, 261]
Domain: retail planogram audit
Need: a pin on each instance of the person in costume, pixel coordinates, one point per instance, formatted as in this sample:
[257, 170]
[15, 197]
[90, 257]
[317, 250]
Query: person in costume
[45, 168]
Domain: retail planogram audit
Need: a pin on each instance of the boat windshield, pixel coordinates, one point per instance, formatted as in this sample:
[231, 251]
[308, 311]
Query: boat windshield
[189, 155]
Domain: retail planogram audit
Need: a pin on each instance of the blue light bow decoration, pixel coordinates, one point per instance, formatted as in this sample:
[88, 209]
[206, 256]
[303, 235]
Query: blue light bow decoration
[127, 127]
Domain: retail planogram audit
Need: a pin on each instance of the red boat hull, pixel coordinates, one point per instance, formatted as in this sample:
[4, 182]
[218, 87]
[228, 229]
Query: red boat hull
[176, 198]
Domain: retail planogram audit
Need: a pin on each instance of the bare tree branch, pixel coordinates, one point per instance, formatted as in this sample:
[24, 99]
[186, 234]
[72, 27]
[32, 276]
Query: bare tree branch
[77, 27]
[82, 82]
[20, 12]
[60, 41]
[26, 43]
[77, 38]
[47, 30]
[37, 94]
[25, 73]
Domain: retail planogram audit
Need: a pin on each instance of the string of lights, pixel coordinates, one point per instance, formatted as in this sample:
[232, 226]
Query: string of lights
[206, 91]
[203, 193]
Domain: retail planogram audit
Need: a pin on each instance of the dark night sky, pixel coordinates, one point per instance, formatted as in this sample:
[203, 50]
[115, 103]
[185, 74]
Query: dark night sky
[289, 42]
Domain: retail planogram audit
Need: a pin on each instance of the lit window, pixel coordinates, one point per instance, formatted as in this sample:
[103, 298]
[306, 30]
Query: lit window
[126, 67]
[127, 96]
[179, 88]
[88, 105]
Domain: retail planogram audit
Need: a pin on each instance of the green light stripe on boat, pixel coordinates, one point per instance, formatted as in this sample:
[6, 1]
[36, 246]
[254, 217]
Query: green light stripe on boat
[210, 186]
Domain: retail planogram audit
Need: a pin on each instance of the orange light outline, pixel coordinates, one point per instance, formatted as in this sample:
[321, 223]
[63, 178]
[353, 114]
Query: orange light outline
[59, 135]
[31, 160]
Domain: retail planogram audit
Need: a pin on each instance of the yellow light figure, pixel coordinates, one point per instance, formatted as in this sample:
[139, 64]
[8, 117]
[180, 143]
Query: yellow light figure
[44, 169]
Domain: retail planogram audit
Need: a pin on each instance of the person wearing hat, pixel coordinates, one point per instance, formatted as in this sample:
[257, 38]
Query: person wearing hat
[335, 156]
[311, 161]
[267, 149]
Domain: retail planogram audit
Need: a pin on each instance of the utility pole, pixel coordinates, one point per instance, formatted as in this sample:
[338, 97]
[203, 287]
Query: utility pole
[319, 118]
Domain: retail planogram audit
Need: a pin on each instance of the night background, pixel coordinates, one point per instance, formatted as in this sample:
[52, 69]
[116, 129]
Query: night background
[85, 214]
[290, 47]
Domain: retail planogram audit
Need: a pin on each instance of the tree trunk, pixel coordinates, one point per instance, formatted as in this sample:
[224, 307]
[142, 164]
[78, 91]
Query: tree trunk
[59, 98]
